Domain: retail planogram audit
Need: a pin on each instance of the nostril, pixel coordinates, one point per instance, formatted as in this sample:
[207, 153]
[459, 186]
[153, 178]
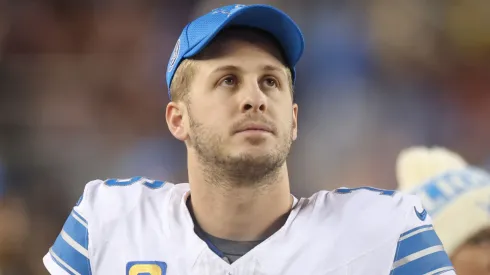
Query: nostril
[247, 107]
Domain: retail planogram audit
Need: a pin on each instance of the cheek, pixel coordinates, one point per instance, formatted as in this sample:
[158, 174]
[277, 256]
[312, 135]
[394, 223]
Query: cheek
[286, 118]
[209, 121]
[212, 107]
[202, 112]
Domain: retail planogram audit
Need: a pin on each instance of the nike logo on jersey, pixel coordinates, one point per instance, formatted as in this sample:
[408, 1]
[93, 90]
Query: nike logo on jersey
[421, 215]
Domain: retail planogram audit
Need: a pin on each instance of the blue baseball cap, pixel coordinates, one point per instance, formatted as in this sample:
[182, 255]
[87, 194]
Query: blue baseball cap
[200, 32]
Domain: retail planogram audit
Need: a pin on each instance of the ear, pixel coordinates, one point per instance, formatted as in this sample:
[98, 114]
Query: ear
[295, 121]
[174, 114]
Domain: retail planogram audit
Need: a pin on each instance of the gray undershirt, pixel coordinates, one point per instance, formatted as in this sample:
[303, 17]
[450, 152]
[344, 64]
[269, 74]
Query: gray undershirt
[229, 250]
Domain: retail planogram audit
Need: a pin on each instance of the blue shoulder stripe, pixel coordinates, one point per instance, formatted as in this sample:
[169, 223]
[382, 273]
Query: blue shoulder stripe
[415, 241]
[77, 229]
[410, 232]
[71, 255]
[419, 251]
[80, 218]
[70, 250]
[62, 264]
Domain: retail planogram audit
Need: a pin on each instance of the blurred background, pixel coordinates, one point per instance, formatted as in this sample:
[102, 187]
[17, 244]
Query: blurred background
[83, 96]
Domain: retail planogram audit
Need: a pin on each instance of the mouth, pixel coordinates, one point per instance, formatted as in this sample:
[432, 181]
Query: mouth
[255, 128]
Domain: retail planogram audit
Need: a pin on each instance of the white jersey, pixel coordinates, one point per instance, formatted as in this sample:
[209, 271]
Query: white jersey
[140, 226]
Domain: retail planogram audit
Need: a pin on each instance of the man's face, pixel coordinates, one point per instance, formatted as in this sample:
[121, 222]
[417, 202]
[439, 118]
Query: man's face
[241, 116]
[473, 258]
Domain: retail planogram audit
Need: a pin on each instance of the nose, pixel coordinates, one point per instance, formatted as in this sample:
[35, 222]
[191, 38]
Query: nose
[254, 100]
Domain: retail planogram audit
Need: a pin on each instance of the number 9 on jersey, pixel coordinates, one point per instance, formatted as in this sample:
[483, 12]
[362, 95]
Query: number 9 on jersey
[146, 268]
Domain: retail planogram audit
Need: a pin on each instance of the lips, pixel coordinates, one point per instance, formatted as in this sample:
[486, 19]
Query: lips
[255, 127]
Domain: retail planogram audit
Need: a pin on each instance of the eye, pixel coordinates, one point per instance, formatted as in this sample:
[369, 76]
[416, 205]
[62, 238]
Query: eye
[270, 82]
[228, 81]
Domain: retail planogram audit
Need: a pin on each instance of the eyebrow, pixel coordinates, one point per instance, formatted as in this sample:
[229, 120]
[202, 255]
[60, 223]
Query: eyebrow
[227, 68]
[271, 68]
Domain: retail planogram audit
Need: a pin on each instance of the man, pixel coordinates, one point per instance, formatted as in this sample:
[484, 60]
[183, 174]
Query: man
[457, 196]
[231, 79]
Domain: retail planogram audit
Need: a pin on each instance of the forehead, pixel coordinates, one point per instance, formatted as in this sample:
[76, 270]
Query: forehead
[233, 39]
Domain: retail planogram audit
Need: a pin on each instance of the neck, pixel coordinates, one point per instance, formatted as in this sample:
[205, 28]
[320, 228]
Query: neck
[240, 212]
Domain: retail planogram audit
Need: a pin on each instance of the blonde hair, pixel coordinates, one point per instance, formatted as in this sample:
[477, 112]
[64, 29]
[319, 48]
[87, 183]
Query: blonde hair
[179, 88]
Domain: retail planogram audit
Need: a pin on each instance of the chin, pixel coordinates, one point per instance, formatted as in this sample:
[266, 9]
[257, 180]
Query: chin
[256, 145]
[251, 151]
[255, 140]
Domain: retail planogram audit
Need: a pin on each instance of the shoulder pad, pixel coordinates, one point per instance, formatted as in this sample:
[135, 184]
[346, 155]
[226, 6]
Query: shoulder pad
[109, 199]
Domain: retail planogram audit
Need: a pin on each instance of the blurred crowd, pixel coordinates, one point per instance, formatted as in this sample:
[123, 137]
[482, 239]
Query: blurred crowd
[83, 96]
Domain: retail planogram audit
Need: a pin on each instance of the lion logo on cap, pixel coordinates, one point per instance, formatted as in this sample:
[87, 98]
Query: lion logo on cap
[174, 56]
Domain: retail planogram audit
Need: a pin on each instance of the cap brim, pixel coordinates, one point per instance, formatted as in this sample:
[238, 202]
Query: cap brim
[268, 19]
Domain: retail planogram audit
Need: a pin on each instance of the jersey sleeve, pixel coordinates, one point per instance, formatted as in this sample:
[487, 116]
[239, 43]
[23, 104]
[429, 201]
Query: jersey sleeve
[418, 249]
[70, 252]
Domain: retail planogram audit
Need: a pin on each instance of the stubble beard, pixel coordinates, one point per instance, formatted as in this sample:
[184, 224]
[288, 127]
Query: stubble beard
[232, 171]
